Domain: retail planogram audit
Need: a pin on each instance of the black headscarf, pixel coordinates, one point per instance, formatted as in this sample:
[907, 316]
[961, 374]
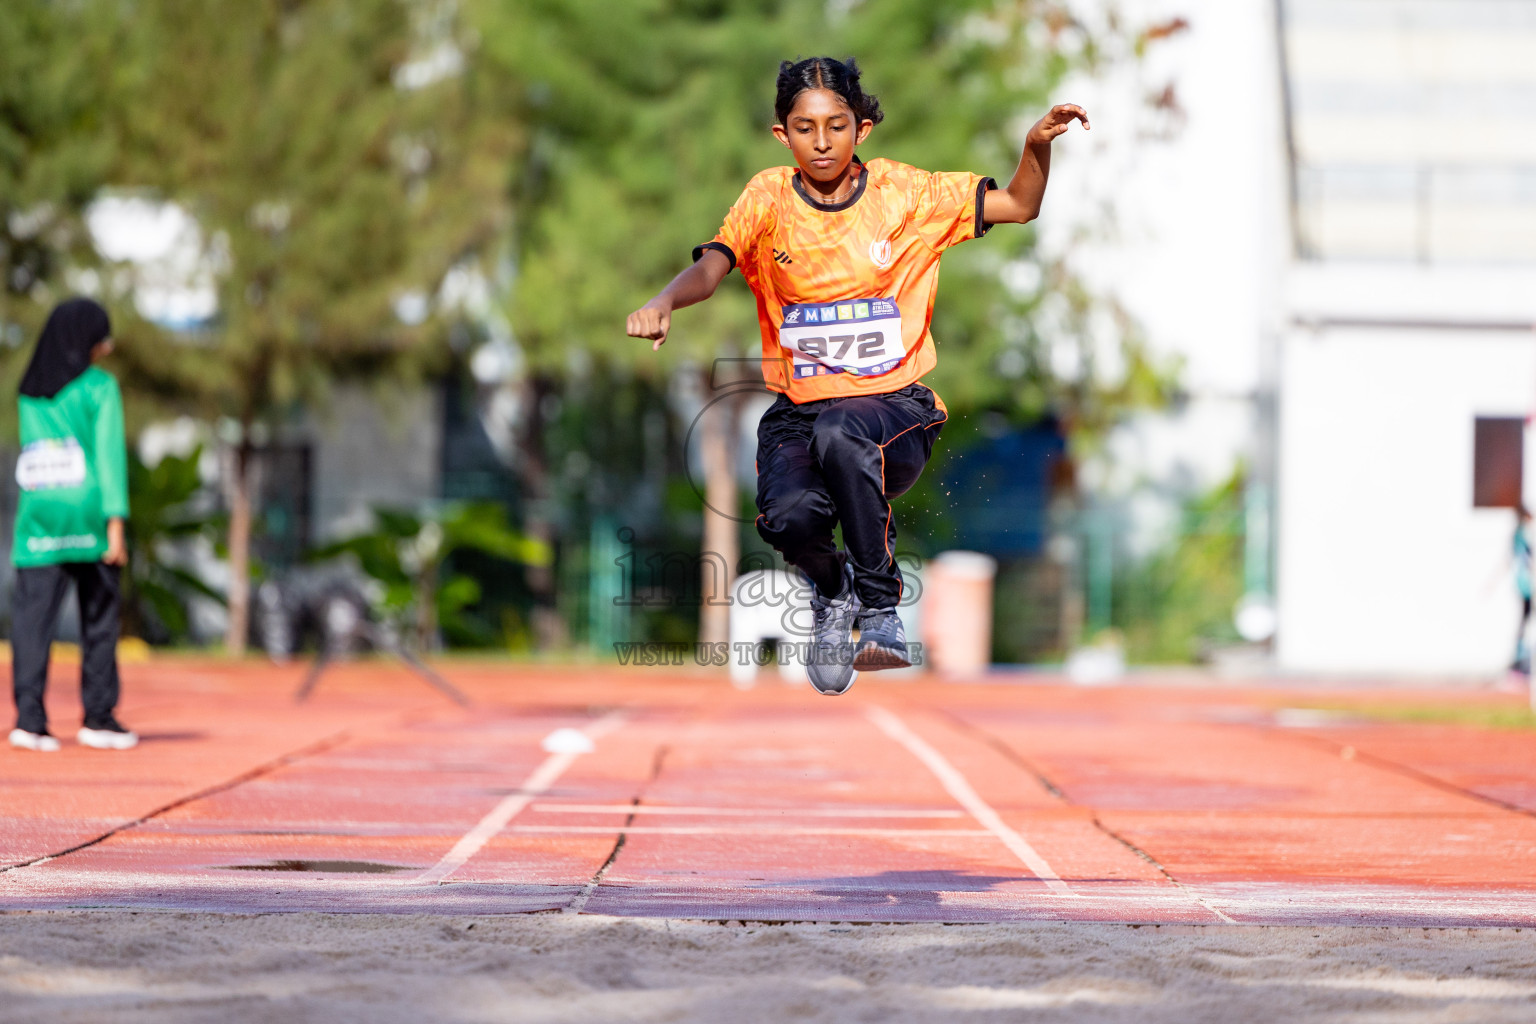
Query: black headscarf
[64, 349]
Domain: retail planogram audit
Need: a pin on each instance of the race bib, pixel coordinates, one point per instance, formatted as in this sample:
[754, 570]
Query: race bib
[861, 336]
[45, 465]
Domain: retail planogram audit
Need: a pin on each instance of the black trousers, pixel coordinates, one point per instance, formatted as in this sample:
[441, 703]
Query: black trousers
[34, 617]
[842, 460]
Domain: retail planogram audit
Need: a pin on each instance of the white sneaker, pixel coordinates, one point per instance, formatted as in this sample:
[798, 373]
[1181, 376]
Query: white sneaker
[112, 737]
[39, 741]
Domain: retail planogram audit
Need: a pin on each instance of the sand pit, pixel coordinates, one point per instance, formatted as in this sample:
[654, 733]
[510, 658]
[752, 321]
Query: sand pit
[168, 968]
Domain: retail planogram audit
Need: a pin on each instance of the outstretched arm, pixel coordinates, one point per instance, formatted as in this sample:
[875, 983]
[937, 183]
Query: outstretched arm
[695, 284]
[1019, 203]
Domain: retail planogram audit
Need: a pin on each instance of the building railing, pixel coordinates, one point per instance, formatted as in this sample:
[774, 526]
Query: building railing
[1428, 214]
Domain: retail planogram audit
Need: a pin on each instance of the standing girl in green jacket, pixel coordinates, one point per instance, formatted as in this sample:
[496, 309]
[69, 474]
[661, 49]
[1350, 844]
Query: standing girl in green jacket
[73, 479]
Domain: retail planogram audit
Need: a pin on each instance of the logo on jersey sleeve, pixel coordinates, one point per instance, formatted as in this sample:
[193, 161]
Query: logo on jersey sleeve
[880, 253]
[861, 337]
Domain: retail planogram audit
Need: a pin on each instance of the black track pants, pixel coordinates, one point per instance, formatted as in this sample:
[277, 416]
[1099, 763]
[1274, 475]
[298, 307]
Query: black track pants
[843, 460]
[34, 616]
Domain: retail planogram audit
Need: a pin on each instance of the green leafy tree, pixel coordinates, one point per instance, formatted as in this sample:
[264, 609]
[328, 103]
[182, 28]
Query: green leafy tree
[57, 146]
[340, 158]
[1177, 602]
[647, 118]
[163, 511]
[409, 554]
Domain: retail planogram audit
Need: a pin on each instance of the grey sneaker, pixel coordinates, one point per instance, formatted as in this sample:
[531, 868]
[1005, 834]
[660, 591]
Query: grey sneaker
[882, 641]
[831, 662]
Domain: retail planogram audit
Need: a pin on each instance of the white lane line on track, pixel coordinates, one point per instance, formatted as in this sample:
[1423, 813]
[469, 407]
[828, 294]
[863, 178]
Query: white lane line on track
[502, 814]
[741, 812]
[747, 830]
[957, 786]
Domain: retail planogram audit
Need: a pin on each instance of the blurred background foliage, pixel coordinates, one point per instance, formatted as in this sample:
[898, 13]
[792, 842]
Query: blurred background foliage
[166, 511]
[1175, 605]
[416, 556]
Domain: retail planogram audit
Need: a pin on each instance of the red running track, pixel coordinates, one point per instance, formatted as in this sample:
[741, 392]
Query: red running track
[904, 801]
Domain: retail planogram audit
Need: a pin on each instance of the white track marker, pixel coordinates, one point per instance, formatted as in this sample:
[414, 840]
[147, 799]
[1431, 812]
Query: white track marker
[742, 812]
[956, 785]
[512, 805]
[717, 830]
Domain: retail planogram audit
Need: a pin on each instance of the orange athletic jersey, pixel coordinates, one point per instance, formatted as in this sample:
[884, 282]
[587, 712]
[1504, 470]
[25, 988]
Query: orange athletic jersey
[845, 292]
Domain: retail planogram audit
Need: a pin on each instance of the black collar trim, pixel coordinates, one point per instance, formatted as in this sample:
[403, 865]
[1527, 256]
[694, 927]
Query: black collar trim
[858, 191]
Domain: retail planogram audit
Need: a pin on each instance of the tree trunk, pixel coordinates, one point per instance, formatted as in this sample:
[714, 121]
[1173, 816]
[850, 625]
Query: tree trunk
[426, 607]
[241, 486]
[721, 548]
[548, 627]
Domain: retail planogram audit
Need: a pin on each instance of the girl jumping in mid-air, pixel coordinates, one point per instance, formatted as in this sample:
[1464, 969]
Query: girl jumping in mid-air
[843, 257]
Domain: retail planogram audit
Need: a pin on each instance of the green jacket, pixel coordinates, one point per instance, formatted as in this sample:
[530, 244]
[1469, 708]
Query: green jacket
[72, 472]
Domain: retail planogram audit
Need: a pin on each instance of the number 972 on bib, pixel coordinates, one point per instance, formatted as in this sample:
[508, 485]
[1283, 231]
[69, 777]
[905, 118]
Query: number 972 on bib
[860, 336]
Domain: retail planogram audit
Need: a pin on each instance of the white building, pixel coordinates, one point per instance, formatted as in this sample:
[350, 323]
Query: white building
[1410, 313]
[1339, 241]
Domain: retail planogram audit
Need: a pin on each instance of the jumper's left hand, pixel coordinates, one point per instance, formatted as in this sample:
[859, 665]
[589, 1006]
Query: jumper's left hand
[117, 546]
[1056, 121]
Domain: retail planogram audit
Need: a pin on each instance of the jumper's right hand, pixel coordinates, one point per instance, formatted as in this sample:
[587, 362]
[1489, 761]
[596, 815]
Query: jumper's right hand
[651, 320]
